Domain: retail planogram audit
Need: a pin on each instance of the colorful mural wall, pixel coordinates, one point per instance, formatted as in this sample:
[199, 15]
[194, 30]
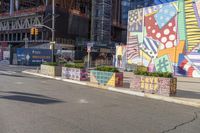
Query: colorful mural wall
[166, 37]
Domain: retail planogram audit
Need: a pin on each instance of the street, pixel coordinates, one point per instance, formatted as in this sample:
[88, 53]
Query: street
[31, 104]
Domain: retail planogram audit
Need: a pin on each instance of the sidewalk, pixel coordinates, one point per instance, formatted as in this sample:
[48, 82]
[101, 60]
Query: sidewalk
[188, 90]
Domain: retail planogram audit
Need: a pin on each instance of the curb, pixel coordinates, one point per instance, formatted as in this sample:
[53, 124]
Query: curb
[123, 90]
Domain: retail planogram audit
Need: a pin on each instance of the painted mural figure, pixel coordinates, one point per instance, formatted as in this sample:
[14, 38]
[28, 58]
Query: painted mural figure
[166, 38]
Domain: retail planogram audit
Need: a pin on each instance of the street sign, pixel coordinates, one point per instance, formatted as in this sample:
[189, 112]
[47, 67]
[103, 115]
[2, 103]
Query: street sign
[88, 49]
[52, 42]
[33, 57]
[91, 44]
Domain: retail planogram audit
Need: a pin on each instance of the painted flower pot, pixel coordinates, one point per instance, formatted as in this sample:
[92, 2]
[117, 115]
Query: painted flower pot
[50, 70]
[106, 78]
[154, 85]
[74, 73]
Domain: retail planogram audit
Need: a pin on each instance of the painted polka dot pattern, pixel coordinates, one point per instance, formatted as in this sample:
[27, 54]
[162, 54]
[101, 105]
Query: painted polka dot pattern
[166, 35]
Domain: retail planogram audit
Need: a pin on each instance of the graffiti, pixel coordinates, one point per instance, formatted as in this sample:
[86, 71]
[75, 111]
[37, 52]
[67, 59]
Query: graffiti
[135, 20]
[168, 39]
[149, 83]
[106, 78]
[154, 85]
[165, 35]
[163, 64]
[132, 48]
[74, 73]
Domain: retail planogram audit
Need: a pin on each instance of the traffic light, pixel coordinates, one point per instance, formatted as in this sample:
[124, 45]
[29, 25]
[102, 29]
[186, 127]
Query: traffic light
[32, 31]
[36, 31]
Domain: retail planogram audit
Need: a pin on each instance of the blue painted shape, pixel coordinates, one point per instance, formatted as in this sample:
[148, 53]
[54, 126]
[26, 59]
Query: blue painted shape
[179, 70]
[102, 77]
[33, 57]
[151, 44]
[165, 14]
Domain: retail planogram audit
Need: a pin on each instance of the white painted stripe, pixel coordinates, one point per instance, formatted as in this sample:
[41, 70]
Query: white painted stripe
[196, 74]
[194, 57]
[126, 91]
[154, 45]
[75, 82]
[197, 64]
[187, 66]
[147, 44]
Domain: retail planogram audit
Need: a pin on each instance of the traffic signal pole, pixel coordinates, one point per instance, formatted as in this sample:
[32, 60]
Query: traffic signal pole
[52, 29]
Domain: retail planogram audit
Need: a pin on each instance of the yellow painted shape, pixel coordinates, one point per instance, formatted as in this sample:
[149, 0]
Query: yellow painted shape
[142, 80]
[175, 5]
[146, 84]
[173, 52]
[111, 82]
[151, 13]
[151, 83]
[146, 56]
[155, 84]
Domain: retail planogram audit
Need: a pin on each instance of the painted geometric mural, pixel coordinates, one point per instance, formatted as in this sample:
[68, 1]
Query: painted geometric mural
[166, 38]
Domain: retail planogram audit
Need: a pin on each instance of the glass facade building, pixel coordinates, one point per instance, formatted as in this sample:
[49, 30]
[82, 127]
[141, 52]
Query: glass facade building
[134, 4]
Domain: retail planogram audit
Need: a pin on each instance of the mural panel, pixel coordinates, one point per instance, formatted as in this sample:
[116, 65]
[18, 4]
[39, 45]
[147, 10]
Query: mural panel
[166, 38]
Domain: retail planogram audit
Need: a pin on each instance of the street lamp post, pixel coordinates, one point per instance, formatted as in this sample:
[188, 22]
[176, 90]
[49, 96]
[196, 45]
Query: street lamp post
[53, 30]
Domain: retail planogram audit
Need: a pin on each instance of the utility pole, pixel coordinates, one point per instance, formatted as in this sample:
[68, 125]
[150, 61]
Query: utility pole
[53, 30]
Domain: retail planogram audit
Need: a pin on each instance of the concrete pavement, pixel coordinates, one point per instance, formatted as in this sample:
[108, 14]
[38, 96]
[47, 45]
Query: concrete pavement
[30, 104]
[185, 95]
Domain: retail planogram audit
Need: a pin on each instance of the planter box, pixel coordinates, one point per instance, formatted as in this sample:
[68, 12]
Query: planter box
[106, 78]
[74, 73]
[50, 70]
[154, 85]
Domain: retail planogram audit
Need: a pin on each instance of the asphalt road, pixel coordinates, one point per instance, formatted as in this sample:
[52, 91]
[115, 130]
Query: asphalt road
[31, 104]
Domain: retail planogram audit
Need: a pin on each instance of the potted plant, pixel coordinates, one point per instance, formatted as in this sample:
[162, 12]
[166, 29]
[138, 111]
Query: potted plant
[75, 71]
[50, 69]
[106, 75]
[162, 83]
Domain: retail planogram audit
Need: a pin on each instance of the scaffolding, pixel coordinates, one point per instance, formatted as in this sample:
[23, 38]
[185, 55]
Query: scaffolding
[101, 21]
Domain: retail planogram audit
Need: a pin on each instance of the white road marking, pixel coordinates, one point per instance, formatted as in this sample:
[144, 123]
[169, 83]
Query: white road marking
[19, 83]
[83, 101]
[43, 81]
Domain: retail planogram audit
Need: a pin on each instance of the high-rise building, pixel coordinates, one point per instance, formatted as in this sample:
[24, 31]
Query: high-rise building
[77, 22]
[98, 20]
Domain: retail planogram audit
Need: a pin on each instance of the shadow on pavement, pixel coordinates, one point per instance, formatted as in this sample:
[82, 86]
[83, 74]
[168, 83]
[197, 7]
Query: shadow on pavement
[13, 75]
[189, 81]
[29, 97]
[188, 94]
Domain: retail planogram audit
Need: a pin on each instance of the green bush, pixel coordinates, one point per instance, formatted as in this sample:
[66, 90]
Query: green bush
[153, 74]
[74, 65]
[78, 61]
[107, 69]
[142, 68]
[62, 62]
[50, 63]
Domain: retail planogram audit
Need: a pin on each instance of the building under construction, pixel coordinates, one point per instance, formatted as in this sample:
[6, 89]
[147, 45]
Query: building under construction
[75, 20]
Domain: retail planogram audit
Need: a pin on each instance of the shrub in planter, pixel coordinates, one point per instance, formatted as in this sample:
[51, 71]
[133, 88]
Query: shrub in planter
[50, 69]
[74, 71]
[106, 75]
[155, 83]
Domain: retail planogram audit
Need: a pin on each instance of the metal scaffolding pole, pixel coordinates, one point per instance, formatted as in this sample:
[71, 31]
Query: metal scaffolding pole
[101, 21]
